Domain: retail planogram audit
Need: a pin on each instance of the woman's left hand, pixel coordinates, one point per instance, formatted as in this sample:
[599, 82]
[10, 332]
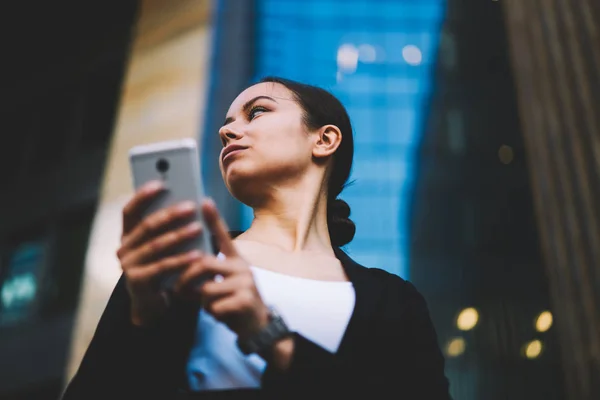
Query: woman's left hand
[227, 289]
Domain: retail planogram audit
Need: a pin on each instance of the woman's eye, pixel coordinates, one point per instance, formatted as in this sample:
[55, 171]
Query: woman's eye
[255, 111]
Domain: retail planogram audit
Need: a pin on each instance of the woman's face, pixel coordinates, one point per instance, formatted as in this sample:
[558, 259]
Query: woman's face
[264, 140]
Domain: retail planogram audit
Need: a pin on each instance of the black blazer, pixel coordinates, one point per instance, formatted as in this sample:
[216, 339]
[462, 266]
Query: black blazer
[389, 350]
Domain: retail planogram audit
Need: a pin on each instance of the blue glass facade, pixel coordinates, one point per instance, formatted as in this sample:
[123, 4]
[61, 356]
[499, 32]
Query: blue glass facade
[377, 57]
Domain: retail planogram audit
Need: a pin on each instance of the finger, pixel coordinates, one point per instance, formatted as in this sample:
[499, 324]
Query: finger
[224, 307]
[156, 223]
[212, 289]
[205, 268]
[172, 264]
[161, 244]
[163, 267]
[133, 210]
[218, 227]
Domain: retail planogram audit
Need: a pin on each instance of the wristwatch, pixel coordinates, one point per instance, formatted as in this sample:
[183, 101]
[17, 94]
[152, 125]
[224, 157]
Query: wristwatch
[262, 341]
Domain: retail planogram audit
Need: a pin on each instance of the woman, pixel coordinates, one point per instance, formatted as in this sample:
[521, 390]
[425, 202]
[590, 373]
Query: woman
[286, 314]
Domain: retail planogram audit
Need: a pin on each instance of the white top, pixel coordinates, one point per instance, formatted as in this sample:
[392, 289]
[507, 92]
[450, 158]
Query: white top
[318, 310]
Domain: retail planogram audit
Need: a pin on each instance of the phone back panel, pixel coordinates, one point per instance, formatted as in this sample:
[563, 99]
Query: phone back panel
[176, 164]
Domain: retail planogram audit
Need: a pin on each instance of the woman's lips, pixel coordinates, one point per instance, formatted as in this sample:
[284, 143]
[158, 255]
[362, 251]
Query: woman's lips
[232, 153]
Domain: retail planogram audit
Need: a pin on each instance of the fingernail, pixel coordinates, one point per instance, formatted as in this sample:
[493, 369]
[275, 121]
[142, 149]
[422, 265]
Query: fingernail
[153, 186]
[193, 227]
[187, 206]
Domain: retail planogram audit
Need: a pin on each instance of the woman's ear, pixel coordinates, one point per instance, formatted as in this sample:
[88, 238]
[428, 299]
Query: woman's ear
[328, 139]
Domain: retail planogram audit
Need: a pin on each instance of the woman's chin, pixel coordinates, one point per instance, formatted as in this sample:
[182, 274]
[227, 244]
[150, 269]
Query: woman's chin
[236, 172]
[236, 177]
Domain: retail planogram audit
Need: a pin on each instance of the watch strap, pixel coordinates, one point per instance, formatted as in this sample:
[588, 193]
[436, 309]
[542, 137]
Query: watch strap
[262, 341]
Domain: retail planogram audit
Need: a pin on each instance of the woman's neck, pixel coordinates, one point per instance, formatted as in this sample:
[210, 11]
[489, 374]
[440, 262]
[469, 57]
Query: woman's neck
[293, 219]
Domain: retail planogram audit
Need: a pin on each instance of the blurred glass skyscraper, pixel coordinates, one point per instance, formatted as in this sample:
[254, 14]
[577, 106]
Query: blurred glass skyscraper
[377, 57]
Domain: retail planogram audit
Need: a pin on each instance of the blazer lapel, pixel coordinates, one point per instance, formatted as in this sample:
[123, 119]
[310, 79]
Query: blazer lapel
[368, 297]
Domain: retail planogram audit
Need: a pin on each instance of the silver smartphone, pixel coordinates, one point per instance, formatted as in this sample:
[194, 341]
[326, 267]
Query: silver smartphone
[176, 163]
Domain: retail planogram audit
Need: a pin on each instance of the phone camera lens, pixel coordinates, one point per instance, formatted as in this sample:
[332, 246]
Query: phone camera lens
[162, 165]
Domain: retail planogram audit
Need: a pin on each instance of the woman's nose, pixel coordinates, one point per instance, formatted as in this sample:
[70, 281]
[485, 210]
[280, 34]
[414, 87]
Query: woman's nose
[227, 133]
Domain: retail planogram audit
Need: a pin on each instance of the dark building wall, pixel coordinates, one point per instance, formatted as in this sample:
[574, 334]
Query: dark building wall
[474, 241]
[61, 82]
[555, 53]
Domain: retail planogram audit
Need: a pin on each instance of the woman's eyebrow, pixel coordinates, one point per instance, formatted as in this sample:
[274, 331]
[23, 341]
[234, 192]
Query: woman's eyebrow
[247, 107]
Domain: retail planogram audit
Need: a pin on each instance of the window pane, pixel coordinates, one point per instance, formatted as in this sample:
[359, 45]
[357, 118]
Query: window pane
[378, 61]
